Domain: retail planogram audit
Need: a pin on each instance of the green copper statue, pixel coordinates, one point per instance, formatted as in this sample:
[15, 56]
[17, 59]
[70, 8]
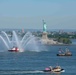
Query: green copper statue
[44, 26]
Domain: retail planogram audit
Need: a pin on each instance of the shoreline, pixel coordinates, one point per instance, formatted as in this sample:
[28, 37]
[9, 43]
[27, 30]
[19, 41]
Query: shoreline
[61, 44]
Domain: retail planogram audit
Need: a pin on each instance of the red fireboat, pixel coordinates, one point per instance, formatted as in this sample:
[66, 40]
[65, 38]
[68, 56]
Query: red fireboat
[14, 49]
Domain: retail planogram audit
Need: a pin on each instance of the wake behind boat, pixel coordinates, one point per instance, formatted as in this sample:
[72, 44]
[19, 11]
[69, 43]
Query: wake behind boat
[49, 69]
[54, 70]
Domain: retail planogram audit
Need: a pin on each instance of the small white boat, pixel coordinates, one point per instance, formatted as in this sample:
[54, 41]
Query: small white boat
[55, 69]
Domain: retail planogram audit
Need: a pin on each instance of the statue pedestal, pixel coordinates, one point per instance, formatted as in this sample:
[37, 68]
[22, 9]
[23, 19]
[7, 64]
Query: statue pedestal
[46, 40]
[44, 35]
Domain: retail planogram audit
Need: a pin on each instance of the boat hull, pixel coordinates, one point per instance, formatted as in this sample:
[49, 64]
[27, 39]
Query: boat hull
[53, 70]
[64, 54]
[13, 50]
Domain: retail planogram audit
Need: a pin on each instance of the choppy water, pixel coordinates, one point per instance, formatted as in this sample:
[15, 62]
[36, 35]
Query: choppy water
[30, 63]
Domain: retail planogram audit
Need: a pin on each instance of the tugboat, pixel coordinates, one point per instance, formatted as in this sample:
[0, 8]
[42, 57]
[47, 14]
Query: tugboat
[55, 69]
[14, 49]
[66, 53]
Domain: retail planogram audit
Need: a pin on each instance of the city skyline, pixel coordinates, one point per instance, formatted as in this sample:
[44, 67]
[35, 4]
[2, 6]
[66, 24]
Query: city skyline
[28, 14]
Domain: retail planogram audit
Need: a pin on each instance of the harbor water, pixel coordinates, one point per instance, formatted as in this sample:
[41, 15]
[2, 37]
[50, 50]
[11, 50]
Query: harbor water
[31, 62]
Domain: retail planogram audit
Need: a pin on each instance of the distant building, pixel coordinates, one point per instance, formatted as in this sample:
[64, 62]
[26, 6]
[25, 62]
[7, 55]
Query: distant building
[23, 31]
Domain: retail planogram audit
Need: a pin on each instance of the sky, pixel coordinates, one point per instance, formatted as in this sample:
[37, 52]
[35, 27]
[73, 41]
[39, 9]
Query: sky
[28, 14]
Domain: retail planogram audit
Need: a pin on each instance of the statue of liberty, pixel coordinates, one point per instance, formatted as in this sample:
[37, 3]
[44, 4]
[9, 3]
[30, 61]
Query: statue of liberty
[44, 26]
